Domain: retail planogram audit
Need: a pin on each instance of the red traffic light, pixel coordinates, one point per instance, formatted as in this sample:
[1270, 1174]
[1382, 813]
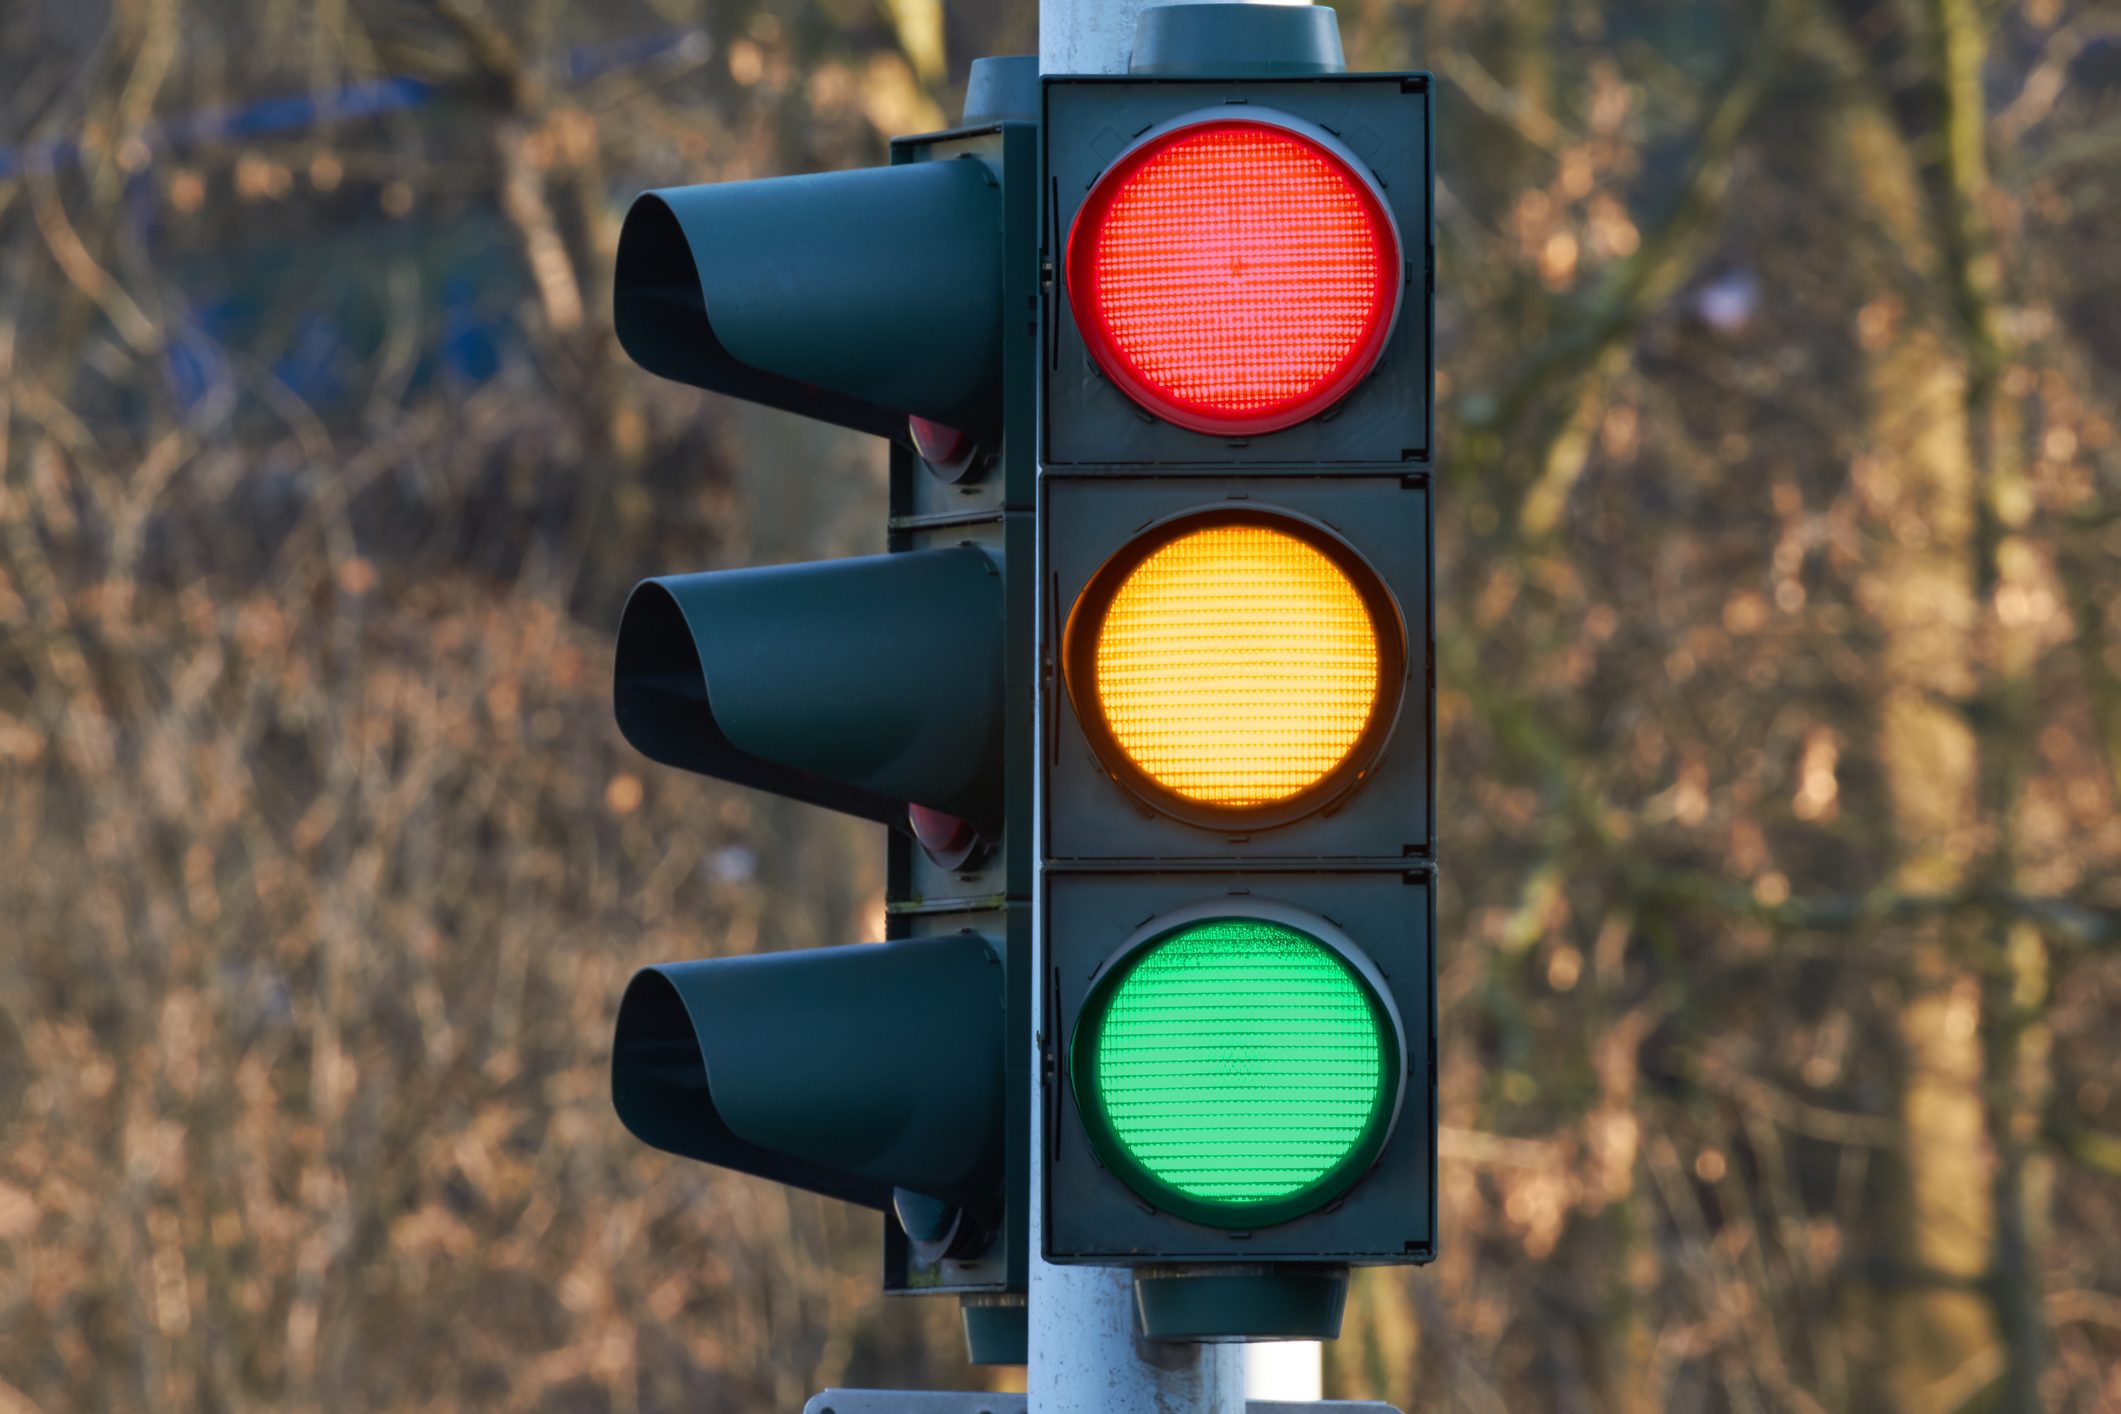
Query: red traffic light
[1235, 275]
[948, 452]
[947, 840]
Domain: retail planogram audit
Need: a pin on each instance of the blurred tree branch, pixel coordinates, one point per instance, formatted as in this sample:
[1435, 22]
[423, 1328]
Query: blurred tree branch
[1561, 389]
[2072, 919]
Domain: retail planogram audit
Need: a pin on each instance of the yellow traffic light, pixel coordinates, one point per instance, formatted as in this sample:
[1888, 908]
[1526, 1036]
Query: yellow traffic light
[1236, 662]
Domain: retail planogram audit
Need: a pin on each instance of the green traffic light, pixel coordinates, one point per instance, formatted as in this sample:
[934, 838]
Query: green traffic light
[1238, 1071]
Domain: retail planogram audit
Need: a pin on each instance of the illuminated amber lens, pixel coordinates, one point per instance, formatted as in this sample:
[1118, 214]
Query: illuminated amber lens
[1237, 666]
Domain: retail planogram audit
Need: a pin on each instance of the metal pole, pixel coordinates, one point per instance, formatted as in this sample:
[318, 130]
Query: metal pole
[1085, 1355]
[1285, 1370]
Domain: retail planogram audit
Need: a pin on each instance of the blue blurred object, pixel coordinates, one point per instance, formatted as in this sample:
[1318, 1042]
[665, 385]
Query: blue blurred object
[285, 113]
[306, 310]
[294, 111]
[471, 339]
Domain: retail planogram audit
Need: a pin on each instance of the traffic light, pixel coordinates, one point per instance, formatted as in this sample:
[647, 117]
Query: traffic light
[1236, 833]
[900, 301]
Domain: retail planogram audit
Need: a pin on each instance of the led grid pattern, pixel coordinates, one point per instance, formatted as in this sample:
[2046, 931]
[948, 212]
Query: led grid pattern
[1237, 666]
[1239, 1061]
[1240, 277]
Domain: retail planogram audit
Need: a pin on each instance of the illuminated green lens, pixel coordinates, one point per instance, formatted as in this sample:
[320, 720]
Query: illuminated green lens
[1238, 1064]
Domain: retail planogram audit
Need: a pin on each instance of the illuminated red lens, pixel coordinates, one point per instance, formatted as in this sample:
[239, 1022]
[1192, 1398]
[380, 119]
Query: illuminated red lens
[937, 444]
[1234, 276]
[948, 840]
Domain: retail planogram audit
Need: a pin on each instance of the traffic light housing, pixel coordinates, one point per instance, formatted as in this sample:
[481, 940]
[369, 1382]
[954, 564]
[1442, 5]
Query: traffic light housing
[1367, 135]
[1146, 669]
[1236, 832]
[899, 301]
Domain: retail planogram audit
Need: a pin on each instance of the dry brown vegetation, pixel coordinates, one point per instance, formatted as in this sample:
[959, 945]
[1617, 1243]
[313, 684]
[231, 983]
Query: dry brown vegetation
[1781, 698]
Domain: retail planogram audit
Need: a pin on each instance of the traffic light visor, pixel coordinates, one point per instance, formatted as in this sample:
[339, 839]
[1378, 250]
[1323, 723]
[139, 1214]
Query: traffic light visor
[849, 1071]
[857, 297]
[862, 685]
[1235, 276]
[1236, 667]
[1239, 1071]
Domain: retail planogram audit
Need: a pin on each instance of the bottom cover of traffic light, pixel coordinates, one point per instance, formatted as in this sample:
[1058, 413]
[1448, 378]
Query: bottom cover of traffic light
[1241, 1067]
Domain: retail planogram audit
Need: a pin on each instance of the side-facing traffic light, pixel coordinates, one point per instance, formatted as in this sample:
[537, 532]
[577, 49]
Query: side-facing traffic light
[763, 290]
[862, 685]
[784, 1065]
[1236, 837]
[897, 301]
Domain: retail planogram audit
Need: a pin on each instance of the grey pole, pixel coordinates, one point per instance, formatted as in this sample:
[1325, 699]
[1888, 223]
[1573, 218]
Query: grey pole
[1086, 1357]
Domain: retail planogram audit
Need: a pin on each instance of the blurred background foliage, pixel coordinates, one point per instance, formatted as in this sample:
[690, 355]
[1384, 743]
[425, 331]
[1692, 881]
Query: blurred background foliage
[1780, 640]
